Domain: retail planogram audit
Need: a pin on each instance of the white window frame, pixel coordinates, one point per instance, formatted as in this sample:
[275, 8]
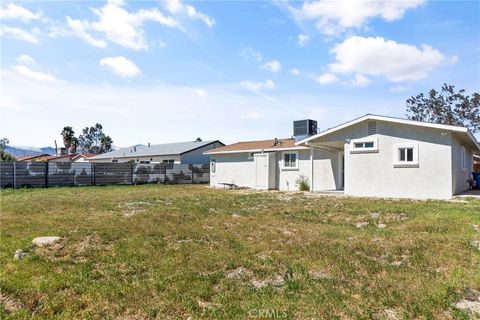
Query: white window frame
[296, 160]
[406, 164]
[355, 149]
[463, 158]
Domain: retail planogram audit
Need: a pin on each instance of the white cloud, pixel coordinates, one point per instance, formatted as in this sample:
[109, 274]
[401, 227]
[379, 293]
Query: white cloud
[272, 66]
[295, 72]
[334, 17]
[20, 34]
[12, 11]
[256, 86]
[303, 39]
[177, 7]
[26, 59]
[359, 80]
[34, 75]
[79, 28]
[326, 78]
[121, 66]
[250, 53]
[119, 26]
[379, 57]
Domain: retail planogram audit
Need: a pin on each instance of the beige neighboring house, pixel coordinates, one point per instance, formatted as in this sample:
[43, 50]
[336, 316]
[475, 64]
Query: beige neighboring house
[191, 152]
[371, 156]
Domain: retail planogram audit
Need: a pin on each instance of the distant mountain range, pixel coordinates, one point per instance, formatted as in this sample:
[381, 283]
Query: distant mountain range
[20, 151]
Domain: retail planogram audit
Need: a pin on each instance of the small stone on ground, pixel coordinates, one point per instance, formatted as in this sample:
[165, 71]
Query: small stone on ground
[475, 244]
[374, 215]
[390, 314]
[476, 227]
[237, 273]
[20, 254]
[361, 224]
[381, 226]
[45, 241]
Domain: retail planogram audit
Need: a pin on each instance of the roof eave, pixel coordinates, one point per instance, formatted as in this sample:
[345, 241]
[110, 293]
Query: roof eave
[255, 150]
[388, 119]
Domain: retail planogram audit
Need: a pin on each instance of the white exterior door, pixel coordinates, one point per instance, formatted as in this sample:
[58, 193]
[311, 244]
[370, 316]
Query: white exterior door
[261, 171]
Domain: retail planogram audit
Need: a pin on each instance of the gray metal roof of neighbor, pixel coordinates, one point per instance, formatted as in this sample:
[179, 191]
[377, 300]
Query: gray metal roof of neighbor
[165, 149]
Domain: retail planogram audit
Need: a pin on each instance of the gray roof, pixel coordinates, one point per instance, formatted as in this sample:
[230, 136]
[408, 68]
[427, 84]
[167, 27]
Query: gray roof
[176, 148]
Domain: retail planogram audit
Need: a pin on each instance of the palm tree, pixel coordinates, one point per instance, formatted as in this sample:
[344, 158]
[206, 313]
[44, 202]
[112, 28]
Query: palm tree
[106, 144]
[67, 134]
[73, 148]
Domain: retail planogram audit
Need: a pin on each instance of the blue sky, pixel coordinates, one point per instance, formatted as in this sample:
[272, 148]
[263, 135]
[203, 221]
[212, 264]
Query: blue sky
[162, 71]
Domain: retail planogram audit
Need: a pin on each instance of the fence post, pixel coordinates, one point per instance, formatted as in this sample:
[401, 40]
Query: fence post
[93, 174]
[132, 166]
[14, 175]
[46, 174]
[192, 173]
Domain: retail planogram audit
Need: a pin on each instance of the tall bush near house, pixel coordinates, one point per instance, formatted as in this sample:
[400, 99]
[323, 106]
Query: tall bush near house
[303, 183]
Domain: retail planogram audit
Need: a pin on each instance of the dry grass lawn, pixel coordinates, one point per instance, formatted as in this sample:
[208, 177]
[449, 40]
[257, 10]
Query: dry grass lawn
[179, 252]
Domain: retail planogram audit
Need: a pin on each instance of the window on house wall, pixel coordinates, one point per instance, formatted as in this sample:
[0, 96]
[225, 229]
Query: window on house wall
[169, 161]
[115, 161]
[364, 146]
[213, 166]
[290, 160]
[406, 155]
[463, 158]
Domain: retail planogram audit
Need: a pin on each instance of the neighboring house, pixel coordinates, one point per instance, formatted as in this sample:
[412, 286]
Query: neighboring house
[82, 157]
[180, 152]
[62, 158]
[371, 156]
[37, 157]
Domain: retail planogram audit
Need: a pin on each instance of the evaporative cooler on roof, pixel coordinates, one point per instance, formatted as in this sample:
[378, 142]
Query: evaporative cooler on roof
[304, 128]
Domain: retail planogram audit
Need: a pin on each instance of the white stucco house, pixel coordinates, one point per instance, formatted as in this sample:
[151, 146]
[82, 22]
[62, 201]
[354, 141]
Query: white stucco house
[371, 156]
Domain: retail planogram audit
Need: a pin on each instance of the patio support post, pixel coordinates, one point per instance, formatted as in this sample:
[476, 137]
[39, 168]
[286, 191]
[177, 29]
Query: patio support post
[311, 169]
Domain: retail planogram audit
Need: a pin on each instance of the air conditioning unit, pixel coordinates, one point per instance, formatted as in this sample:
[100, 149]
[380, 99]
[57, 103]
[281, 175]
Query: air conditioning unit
[304, 128]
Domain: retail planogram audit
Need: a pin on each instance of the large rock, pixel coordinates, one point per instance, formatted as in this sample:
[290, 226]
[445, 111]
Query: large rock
[45, 241]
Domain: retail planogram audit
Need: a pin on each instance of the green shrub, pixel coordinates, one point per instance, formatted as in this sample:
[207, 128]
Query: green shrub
[303, 183]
